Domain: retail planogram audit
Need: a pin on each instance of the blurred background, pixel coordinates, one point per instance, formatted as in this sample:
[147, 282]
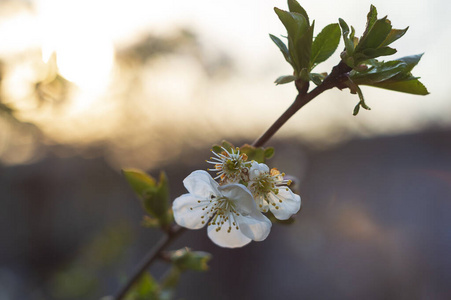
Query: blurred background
[90, 87]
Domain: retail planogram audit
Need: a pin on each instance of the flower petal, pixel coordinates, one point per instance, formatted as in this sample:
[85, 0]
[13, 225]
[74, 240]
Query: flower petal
[257, 169]
[188, 212]
[233, 239]
[200, 184]
[262, 204]
[240, 196]
[291, 203]
[255, 226]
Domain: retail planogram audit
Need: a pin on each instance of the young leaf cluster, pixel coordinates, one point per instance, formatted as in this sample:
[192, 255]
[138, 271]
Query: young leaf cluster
[259, 154]
[303, 52]
[375, 41]
[154, 196]
[148, 288]
[360, 54]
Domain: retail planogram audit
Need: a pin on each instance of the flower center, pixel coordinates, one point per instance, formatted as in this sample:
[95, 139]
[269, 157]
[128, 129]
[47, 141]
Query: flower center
[267, 184]
[229, 165]
[219, 211]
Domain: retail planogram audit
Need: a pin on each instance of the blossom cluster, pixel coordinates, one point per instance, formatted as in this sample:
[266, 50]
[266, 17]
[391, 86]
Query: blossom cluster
[233, 203]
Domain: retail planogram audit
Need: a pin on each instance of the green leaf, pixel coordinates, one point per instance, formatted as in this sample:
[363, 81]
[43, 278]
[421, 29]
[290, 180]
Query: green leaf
[304, 75]
[156, 201]
[146, 288]
[253, 153]
[169, 284]
[185, 259]
[374, 41]
[317, 78]
[371, 18]
[269, 152]
[412, 86]
[294, 6]
[373, 53]
[259, 154]
[394, 35]
[296, 26]
[155, 197]
[304, 49]
[325, 44]
[356, 110]
[355, 89]
[139, 181]
[227, 145]
[295, 23]
[171, 279]
[150, 222]
[283, 48]
[392, 75]
[411, 61]
[224, 144]
[349, 43]
[379, 73]
[375, 36]
[285, 79]
[216, 149]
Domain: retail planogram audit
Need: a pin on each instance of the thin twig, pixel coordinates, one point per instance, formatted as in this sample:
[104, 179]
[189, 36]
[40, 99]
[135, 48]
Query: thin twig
[335, 79]
[150, 257]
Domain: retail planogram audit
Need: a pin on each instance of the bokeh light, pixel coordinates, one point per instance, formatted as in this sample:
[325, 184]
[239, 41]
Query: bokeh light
[88, 87]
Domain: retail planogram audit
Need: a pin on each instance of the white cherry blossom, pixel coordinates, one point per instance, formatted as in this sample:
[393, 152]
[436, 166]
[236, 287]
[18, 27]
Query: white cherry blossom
[271, 191]
[229, 210]
[231, 166]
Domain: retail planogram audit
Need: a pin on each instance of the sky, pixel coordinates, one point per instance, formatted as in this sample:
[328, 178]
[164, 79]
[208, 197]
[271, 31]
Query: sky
[86, 36]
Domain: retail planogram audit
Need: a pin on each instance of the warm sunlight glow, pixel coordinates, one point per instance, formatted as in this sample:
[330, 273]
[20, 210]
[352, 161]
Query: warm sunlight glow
[154, 73]
[86, 63]
[84, 51]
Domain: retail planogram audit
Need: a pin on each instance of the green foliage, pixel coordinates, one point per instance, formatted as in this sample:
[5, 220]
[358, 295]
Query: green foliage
[355, 89]
[79, 278]
[392, 75]
[303, 53]
[361, 54]
[185, 259]
[285, 79]
[259, 154]
[283, 48]
[224, 144]
[169, 283]
[146, 288]
[325, 44]
[154, 196]
[295, 7]
[349, 40]
[299, 38]
[374, 42]
[317, 78]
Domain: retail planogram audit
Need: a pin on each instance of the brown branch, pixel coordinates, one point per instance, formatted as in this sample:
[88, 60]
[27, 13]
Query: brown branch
[150, 257]
[335, 79]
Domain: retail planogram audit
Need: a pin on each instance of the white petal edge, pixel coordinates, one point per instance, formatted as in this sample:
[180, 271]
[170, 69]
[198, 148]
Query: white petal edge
[241, 196]
[233, 239]
[200, 184]
[291, 203]
[255, 226]
[256, 169]
[183, 214]
[264, 204]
